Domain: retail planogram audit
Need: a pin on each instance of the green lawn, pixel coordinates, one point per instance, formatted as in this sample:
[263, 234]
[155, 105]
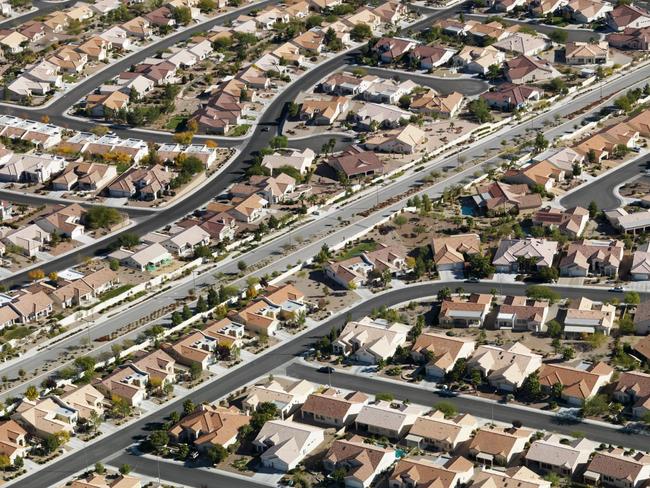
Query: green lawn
[17, 333]
[240, 130]
[114, 292]
[364, 246]
[175, 121]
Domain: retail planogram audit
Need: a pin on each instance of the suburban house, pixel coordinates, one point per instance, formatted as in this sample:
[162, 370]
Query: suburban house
[628, 17]
[510, 97]
[519, 476]
[571, 222]
[537, 174]
[529, 69]
[285, 443]
[592, 257]
[145, 258]
[519, 313]
[440, 352]
[86, 400]
[433, 104]
[633, 389]
[449, 251]
[642, 319]
[405, 140]
[459, 311]
[195, 348]
[363, 269]
[618, 468]
[578, 383]
[474, 59]
[553, 454]
[279, 303]
[500, 198]
[361, 461]
[431, 57]
[587, 11]
[13, 440]
[35, 168]
[505, 367]
[249, 209]
[640, 269]
[46, 416]
[285, 394]
[333, 408]
[64, 221]
[424, 472]
[128, 383]
[388, 419]
[300, 161]
[370, 340]
[210, 425]
[577, 53]
[518, 255]
[499, 446]
[391, 49]
[158, 365]
[84, 177]
[31, 307]
[438, 433]
[631, 38]
[323, 111]
[523, 43]
[354, 162]
[184, 243]
[588, 317]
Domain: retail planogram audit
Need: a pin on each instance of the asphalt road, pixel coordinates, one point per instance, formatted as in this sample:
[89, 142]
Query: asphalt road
[497, 411]
[121, 439]
[467, 86]
[601, 190]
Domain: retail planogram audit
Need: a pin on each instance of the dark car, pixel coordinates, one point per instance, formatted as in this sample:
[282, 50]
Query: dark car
[326, 369]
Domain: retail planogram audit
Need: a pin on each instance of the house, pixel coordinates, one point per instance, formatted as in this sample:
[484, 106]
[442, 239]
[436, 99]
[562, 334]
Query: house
[430, 57]
[370, 341]
[95, 480]
[438, 433]
[170, 152]
[477, 60]
[576, 53]
[285, 394]
[516, 255]
[434, 105]
[618, 468]
[440, 352]
[505, 367]
[127, 382]
[589, 317]
[388, 91]
[31, 307]
[117, 37]
[391, 49]
[147, 258]
[280, 303]
[529, 69]
[354, 162]
[13, 42]
[578, 384]
[361, 462]
[184, 243]
[631, 38]
[8, 317]
[628, 17]
[64, 221]
[510, 97]
[366, 267]
[484, 33]
[333, 408]
[498, 445]
[373, 116]
[501, 198]
[296, 159]
[158, 365]
[571, 222]
[564, 158]
[642, 319]
[587, 11]
[84, 177]
[143, 183]
[347, 84]
[195, 348]
[69, 60]
[519, 476]
[406, 140]
[285, 443]
[274, 189]
[458, 311]
[13, 440]
[365, 16]
[323, 111]
[391, 420]
[30, 239]
[507, 5]
[520, 313]
[138, 27]
[36, 168]
[628, 222]
[554, 454]
[311, 41]
[449, 251]
[209, 425]
[320, 5]
[589, 256]
[249, 209]
[633, 389]
[43, 136]
[85, 399]
[24, 87]
[642, 348]
[538, 173]
[46, 416]
[425, 473]
[34, 30]
[391, 12]
[161, 17]
[524, 44]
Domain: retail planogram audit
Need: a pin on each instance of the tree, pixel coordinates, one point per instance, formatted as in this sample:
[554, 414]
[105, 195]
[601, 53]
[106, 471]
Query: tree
[207, 5]
[195, 371]
[384, 397]
[128, 240]
[183, 137]
[159, 439]
[99, 468]
[217, 453]
[480, 110]
[125, 469]
[53, 276]
[312, 21]
[448, 409]
[559, 36]
[553, 328]
[625, 325]
[242, 266]
[182, 15]
[632, 298]
[400, 220]
[188, 407]
[186, 313]
[623, 103]
[539, 292]
[494, 72]
[568, 353]
[531, 386]
[595, 406]
[547, 274]
[361, 32]
[265, 411]
[31, 393]
[541, 142]
[593, 210]
[480, 265]
[36, 274]
[201, 306]
[100, 217]
[597, 339]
